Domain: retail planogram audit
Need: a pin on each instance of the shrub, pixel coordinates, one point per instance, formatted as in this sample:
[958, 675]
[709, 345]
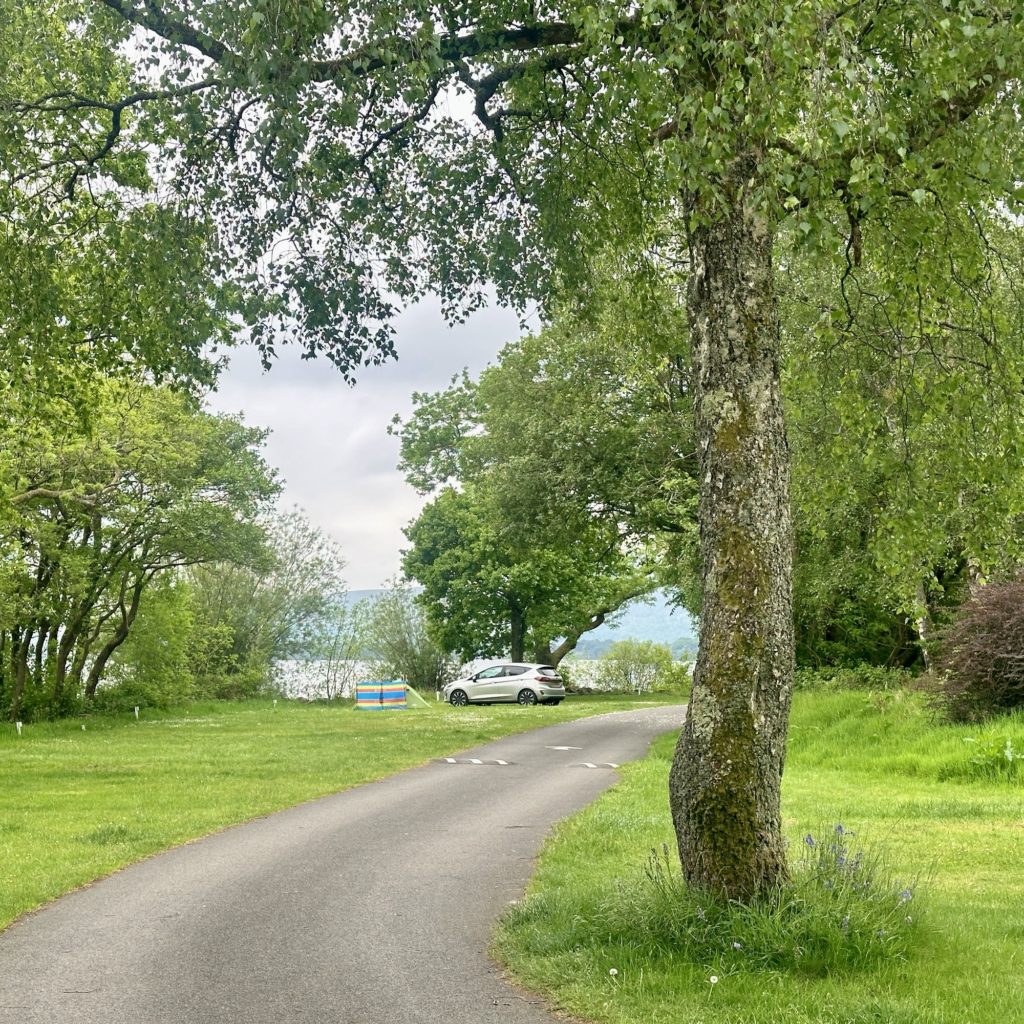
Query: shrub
[980, 660]
[399, 644]
[852, 677]
[635, 666]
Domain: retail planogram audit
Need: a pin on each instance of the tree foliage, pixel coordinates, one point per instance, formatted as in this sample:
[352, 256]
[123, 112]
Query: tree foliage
[111, 274]
[155, 666]
[556, 477]
[253, 614]
[92, 516]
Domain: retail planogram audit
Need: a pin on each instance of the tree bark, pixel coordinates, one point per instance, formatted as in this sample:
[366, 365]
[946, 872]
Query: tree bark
[517, 630]
[119, 636]
[726, 776]
[924, 625]
[20, 643]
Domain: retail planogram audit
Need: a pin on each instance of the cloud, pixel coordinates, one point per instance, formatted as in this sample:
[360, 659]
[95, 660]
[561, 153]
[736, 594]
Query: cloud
[329, 439]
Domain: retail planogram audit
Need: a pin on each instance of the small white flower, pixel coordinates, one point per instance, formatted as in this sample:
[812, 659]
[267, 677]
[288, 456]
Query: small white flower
[737, 945]
[713, 979]
[612, 971]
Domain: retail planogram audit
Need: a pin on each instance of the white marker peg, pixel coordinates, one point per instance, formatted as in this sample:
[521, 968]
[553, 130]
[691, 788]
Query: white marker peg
[17, 725]
[136, 712]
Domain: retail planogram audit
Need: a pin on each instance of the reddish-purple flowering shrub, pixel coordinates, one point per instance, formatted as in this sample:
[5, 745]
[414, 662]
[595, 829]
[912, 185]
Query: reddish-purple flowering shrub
[981, 655]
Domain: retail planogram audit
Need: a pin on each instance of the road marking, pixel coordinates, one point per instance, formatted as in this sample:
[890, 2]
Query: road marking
[565, 748]
[474, 760]
[604, 764]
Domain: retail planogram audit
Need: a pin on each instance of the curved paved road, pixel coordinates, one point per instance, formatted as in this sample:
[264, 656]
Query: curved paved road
[374, 906]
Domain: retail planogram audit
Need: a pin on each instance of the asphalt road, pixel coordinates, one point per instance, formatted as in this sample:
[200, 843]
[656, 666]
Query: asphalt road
[374, 906]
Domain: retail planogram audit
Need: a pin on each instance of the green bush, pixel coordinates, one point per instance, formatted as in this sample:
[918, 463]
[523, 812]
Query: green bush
[247, 682]
[399, 644]
[853, 677]
[677, 679]
[636, 666]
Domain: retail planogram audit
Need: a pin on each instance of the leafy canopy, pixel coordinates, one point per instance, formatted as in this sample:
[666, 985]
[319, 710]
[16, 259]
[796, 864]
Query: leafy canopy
[332, 142]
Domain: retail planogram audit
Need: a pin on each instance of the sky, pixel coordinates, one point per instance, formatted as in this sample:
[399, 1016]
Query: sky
[329, 439]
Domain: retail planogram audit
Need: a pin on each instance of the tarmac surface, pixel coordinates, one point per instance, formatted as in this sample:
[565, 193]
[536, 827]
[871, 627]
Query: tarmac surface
[373, 906]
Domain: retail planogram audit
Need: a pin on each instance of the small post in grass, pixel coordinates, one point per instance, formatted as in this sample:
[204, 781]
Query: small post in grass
[17, 725]
[136, 712]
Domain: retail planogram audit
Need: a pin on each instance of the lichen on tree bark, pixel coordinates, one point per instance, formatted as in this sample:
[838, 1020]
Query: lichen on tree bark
[726, 776]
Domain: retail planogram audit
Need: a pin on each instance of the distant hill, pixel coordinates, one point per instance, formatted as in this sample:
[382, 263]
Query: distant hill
[651, 618]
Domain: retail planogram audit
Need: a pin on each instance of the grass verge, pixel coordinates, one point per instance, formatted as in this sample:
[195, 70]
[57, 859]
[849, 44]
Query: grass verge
[609, 936]
[81, 798]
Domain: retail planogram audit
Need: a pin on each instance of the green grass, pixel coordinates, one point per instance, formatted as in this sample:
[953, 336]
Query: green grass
[76, 804]
[925, 794]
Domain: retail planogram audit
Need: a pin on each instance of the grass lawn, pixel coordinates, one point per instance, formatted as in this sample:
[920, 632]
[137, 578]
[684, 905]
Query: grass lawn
[76, 805]
[944, 801]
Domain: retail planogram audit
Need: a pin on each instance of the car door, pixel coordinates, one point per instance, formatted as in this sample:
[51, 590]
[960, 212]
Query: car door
[508, 684]
[486, 684]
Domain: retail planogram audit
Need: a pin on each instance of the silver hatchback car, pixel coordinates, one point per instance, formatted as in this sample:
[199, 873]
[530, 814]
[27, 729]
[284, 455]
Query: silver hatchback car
[507, 682]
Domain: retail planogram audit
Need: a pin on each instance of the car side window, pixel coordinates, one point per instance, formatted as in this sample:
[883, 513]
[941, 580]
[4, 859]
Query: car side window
[514, 670]
[489, 673]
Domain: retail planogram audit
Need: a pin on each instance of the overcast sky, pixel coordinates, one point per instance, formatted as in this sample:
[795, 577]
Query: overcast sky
[329, 440]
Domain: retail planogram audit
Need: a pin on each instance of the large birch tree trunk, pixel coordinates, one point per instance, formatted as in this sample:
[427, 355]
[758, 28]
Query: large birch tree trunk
[727, 772]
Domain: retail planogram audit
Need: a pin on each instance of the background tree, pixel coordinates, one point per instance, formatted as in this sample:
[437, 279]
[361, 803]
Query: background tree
[397, 641]
[555, 477]
[336, 648]
[494, 587]
[251, 615]
[93, 515]
[906, 433]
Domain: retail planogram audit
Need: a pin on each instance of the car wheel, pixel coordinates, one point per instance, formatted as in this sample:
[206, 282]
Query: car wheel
[526, 697]
[458, 699]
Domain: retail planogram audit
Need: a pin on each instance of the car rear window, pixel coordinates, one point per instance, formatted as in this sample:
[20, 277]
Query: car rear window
[547, 670]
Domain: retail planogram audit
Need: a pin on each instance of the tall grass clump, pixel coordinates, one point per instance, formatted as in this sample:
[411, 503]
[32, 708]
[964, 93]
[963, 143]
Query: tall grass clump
[844, 910]
[992, 761]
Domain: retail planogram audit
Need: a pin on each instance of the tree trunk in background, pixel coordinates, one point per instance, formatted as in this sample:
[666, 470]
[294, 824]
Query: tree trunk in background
[128, 616]
[924, 625]
[726, 776]
[20, 643]
[517, 629]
